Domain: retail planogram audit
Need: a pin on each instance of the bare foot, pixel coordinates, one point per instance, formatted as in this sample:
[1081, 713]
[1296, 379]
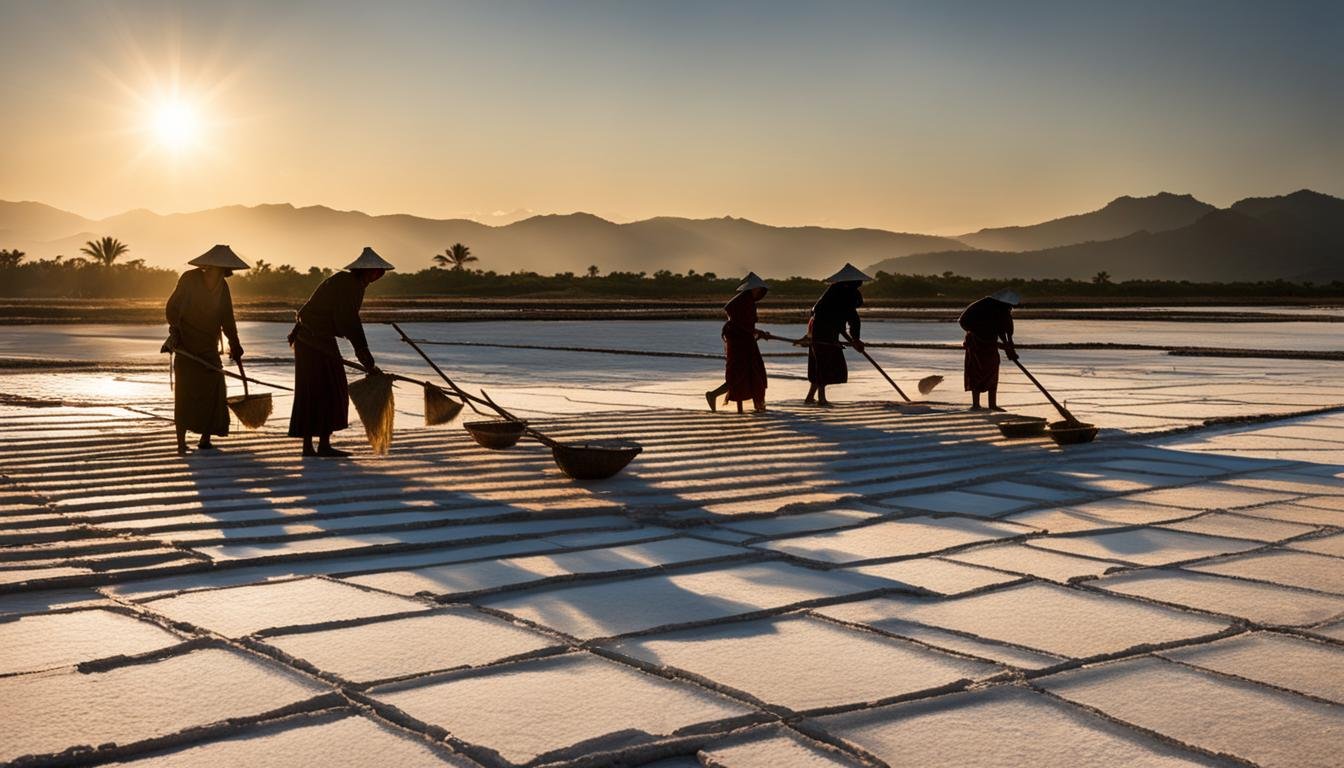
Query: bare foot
[709, 398]
[205, 444]
[327, 451]
[183, 449]
[997, 409]
[976, 408]
[309, 451]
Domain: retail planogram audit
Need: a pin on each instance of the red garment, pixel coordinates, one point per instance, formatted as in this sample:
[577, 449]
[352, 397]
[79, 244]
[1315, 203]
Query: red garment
[745, 369]
[982, 364]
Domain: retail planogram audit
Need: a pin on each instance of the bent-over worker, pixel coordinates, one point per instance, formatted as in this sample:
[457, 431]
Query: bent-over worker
[837, 308]
[744, 371]
[321, 391]
[989, 325]
[200, 309]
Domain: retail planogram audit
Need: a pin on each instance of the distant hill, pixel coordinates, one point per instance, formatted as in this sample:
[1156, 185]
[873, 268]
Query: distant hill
[321, 236]
[29, 222]
[1294, 237]
[1122, 216]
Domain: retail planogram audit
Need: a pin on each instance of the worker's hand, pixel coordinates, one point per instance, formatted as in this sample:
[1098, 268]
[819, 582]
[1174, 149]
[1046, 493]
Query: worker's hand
[858, 345]
[169, 345]
[761, 334]
[373, 370]
[236, 352]
[1011, 354]
[806, 341]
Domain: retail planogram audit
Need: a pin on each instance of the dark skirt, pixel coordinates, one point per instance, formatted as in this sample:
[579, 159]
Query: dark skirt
[321, 392]
[199, 394]
[982, 364]
[825, 358]
[745, 369]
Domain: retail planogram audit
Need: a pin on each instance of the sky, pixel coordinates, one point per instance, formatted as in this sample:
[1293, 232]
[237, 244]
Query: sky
[937, 117]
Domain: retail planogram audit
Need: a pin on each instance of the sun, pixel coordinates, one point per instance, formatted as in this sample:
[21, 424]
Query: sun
[176, 125]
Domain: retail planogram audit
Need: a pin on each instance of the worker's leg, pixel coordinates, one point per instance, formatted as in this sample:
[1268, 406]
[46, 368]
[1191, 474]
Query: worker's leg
[182, 440]
[324, 447]
[712, 395]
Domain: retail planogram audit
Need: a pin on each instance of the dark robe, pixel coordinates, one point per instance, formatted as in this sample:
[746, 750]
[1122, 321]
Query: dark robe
[745, 369]
[986, 322]
[196, 317]
[321, 392]
[838, 307]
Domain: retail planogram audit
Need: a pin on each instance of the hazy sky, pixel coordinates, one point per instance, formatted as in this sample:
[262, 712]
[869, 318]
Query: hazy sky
[934, 116]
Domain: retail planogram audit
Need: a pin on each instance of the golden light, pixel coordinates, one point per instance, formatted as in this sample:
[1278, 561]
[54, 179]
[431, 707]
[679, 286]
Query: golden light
[176, 125]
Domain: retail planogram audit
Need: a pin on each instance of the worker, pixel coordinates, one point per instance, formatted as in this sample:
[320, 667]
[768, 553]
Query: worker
[199, 311]
[321, 392]
[989, 327]
[744, 371]
[837, 309]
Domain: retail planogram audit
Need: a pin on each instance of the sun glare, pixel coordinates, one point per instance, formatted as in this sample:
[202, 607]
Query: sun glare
[176, 125]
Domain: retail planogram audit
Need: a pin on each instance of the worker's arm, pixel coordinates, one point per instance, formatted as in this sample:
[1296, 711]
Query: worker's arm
[173, 313]
[854, 327]
[230, 325]
[346, 316]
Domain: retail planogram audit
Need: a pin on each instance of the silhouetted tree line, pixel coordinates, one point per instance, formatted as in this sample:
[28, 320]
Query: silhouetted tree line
[84, 278]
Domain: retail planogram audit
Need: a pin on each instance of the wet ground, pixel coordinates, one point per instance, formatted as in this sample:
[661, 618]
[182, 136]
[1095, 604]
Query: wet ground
[873, 584]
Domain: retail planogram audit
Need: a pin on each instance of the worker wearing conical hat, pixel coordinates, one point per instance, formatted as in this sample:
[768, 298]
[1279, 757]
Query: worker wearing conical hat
[989, 326]
[744, 371]
[321, 391]
[199, 311]
[837, 309]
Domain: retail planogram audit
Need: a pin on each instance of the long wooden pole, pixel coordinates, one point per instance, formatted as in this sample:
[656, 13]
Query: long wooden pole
[226, 372]
[1062, 410]
[864, 352]
[466, 398]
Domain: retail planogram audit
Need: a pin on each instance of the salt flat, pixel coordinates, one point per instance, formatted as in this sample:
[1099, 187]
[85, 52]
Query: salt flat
[861, 586]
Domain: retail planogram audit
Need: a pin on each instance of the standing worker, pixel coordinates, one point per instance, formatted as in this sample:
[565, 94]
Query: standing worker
[837, 308]
[744, 372]
[200, 309]
[989, 325]
[321, 392]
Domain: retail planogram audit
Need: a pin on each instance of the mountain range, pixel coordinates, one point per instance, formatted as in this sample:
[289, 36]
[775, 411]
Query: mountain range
[324, 237]
[1299, 236]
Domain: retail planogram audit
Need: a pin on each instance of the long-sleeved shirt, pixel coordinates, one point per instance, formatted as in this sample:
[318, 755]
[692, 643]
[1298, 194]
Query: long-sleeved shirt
[196, 315]
[989, 319]
[837, 307]
[333, 310]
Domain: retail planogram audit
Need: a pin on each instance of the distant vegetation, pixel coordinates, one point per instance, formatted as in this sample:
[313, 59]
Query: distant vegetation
[78, 277]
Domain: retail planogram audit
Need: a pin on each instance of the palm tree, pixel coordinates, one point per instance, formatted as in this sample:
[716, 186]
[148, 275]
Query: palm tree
[1101, 278]
[104, 250]
[457, 256]
[11, 258]
[593, 270]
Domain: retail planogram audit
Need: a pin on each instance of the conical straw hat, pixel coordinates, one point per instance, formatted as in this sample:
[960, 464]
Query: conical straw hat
[369, 259]
[1008, 296]
[751, 281]
[219, 256]
[850, 274]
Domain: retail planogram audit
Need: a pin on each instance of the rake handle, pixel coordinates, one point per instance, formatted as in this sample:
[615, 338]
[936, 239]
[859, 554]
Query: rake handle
[242, 375]
[217, 369]
[1062, 410]
[466, 398]
[864, 352]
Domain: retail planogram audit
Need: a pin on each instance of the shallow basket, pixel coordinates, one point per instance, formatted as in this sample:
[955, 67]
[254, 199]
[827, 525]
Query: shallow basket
[1022, 426]
[1072, 432]
[594, 462]
[496, 435]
